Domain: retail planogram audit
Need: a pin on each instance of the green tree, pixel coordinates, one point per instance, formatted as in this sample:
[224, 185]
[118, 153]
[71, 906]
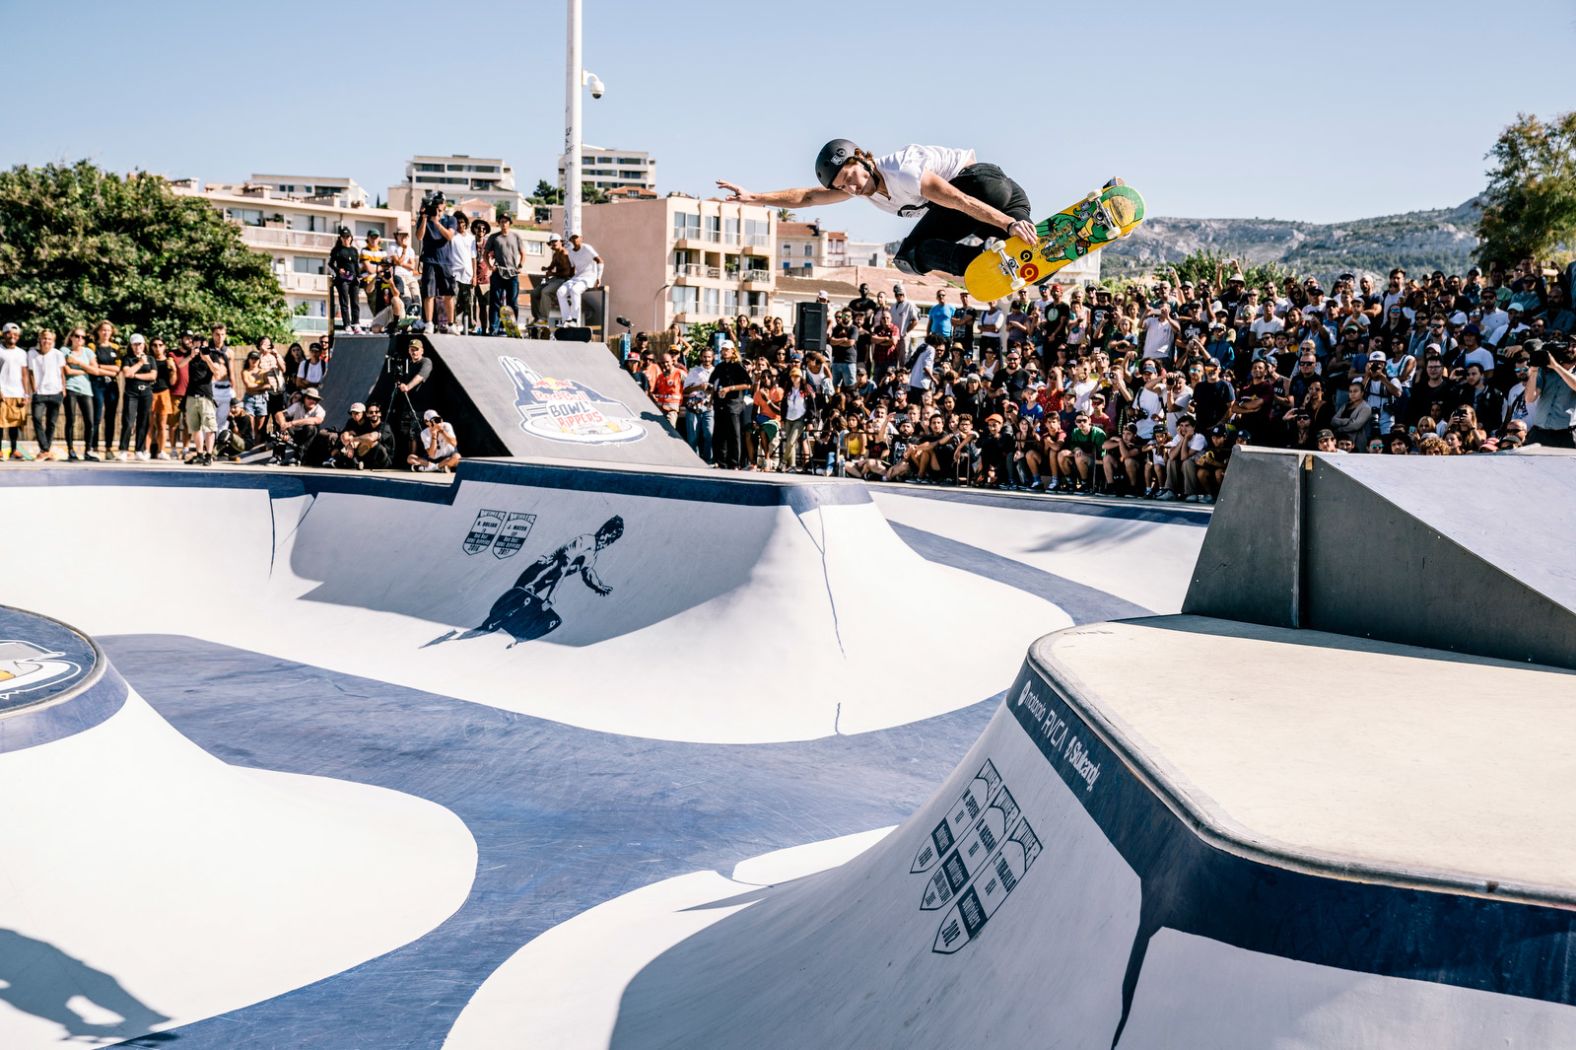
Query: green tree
[78, 244]
[1202, 266]
[1529, 208]
[546, 193]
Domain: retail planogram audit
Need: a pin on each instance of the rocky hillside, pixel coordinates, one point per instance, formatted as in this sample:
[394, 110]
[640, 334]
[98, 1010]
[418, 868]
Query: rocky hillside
[1417, 240]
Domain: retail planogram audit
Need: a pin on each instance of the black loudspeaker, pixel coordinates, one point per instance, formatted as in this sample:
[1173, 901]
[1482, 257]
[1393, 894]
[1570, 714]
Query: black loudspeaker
[809, 327]
[572, 334]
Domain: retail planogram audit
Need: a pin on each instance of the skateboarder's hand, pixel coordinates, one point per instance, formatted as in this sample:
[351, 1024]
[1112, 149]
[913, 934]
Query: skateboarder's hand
[1023, 230]
[736, 192]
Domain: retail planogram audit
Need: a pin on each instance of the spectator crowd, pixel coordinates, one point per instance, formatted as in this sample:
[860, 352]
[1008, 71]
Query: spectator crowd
[1140, 390]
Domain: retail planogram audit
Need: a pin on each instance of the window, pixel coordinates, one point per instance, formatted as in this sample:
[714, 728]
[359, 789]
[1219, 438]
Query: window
[809, 251]
[714, 227]
[712, 302]
[299, 264]
[730, 301]
[787, 248]
[685, 225]
[730, 229]
[535, 248]
[428, 167]
[684, 299]
[755, 232]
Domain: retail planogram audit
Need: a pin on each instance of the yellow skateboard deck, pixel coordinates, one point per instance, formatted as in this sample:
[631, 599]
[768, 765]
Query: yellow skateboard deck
[1070, 234]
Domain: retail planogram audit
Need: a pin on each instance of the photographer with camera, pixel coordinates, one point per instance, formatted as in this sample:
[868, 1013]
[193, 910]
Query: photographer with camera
[1551, 393]
[344, 268]
[209, 366]
[434, 230]
[408, 373]
[438, 449]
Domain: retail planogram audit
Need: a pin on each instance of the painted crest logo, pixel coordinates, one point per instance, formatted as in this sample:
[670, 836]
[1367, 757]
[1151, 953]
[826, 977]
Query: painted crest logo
[565, 410]
[27, 669]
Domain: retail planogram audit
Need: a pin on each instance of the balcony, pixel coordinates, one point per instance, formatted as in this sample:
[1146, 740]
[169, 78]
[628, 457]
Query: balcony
[304, 283]
[278, 237]
[689, 239]
[686, 273]
[756, 276]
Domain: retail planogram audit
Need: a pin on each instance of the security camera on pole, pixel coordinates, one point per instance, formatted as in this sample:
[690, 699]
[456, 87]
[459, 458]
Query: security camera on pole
[576, 79]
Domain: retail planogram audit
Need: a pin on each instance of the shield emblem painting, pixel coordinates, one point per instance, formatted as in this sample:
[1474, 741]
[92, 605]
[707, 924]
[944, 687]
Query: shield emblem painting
[486, 526]
[512, 537]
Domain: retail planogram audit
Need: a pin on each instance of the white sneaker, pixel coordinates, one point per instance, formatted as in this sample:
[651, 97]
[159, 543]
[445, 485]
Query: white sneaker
[143, 456]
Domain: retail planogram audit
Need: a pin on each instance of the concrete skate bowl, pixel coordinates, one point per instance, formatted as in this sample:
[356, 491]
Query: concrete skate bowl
[310, 804]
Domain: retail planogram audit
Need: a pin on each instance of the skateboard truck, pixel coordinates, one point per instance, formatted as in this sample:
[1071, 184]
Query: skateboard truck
[1009, 265]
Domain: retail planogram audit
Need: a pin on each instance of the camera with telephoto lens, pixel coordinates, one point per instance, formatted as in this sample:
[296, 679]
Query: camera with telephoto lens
[431, 203]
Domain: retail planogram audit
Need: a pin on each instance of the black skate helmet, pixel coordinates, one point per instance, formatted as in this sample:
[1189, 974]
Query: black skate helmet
[831, 159]
[610, 531]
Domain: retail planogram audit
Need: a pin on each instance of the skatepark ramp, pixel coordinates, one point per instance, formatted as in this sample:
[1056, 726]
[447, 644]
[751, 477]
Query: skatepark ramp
[1465, 553]
[1156, 862]
[523, 398]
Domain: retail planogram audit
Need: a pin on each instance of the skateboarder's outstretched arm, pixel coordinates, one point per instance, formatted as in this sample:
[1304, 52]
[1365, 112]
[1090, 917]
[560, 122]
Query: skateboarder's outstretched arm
[938, 190]
[794, 198]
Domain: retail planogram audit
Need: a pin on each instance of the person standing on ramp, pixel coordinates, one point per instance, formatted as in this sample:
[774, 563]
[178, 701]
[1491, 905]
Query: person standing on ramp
[954, 196]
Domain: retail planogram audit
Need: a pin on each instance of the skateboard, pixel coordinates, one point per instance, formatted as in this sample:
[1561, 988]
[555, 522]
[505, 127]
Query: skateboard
[1087, 226]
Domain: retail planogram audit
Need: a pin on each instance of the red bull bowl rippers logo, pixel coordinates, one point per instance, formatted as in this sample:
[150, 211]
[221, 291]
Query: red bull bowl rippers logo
[566, 410]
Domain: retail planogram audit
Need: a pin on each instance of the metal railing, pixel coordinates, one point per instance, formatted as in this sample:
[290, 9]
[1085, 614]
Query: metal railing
[755, 275]
[303, 282]
[275, 237]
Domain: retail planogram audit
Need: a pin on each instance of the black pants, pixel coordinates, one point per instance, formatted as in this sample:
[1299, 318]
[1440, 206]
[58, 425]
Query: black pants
[135, 407]
[1551, 438]
[46, 414]
[728, 442]
[85, 406]
[933, 242]
[349, 305]
[106, 398]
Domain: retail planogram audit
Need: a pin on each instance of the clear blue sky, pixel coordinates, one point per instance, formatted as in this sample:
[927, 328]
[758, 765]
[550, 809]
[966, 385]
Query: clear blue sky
[1320, 112]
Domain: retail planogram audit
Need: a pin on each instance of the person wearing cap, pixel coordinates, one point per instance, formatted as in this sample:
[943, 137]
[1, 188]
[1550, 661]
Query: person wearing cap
[587, 275]
[403, 260]
[480, 319]
[731, 383]
[953, 195]
[344, 269]
[299, 423]
[207, 367]
[138, 373]
[1380, 389]
[437, 449]
[504, 250]
[545, 292]
[16, 388]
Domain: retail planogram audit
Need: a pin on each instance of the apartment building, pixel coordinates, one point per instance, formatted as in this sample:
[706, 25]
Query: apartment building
[613, 169]
[345, 192]
[296, 232]
[680, 260]
[460, 177]
[805, 247]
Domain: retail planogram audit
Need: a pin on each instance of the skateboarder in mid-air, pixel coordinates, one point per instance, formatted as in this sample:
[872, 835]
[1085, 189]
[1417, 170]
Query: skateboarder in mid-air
[526, 609]
[954, 196]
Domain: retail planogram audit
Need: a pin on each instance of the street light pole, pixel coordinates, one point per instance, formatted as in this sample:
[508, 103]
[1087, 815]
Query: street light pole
[574, 82]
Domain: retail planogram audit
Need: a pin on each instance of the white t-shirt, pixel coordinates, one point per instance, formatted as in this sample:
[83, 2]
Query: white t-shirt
[700, 376]
[1197, 442]
[13, 362]
[1149, 404]
[462, 258]
[311, 371]
[298, 411]
[793, 404]
[1159, 337]
[446, 444]
[404, 261]
[901, 171]
[1267, 324]
[48, 377]
[584, 260]
[1082, 392]
[1483, 357]
[924, 358]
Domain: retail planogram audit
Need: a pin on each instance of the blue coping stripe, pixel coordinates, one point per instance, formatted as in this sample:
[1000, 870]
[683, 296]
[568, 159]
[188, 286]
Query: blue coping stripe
[735, 491]
[54, 681]
[564, 818]
[1189, 885]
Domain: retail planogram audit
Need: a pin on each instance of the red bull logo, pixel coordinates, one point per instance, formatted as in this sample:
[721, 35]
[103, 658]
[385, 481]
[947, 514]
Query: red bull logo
[568, 410]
